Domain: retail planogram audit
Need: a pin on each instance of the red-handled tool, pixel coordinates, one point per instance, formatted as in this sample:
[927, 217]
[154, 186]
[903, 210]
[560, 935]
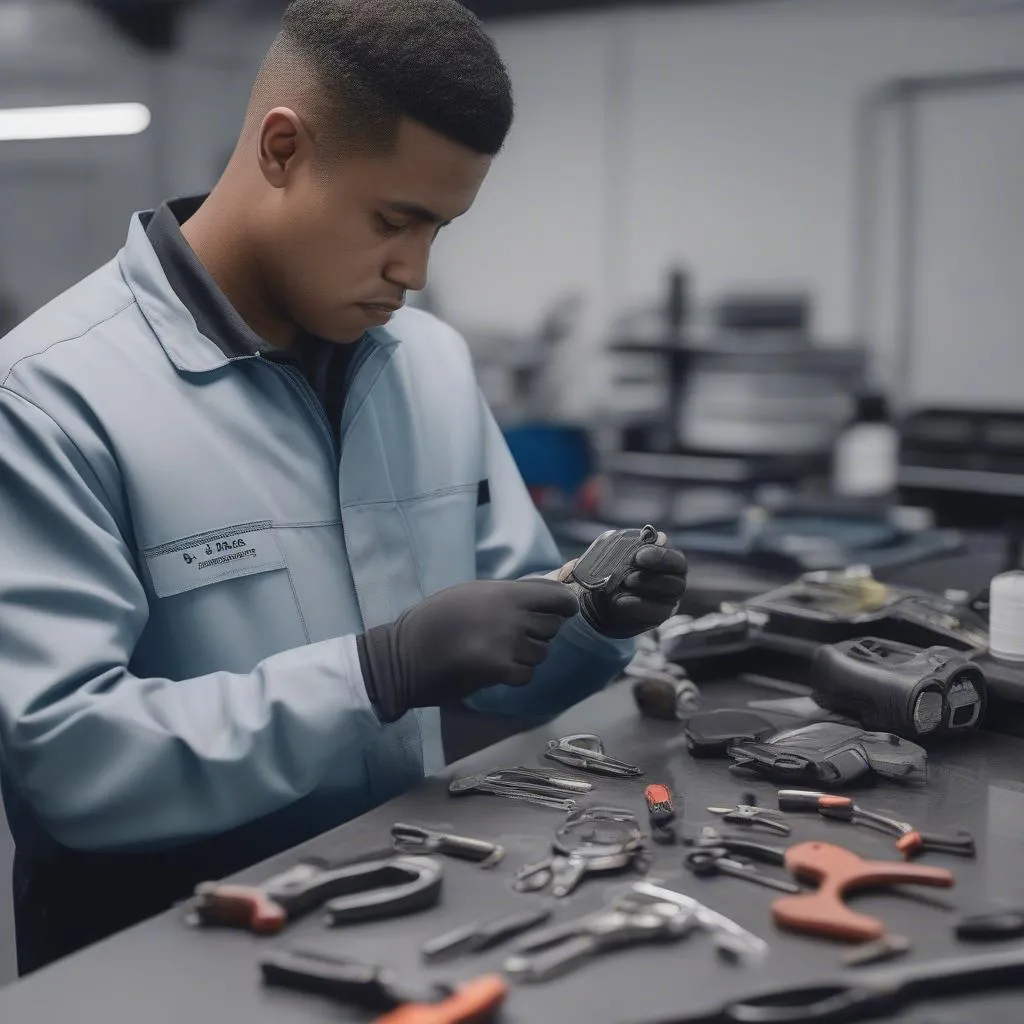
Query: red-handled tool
[475, 1003]
[839, 872]
[386, 887]
[662, 813]
[909, 840]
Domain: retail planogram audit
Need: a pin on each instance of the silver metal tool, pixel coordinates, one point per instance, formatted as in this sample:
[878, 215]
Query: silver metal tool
[745, 814]
[565, 870]
[888, 947]
[480, 936]
[553, 951]
[414, 839]
[730, 937]
[526, 778]
[585, 751]
[532, 792]
[595, 839]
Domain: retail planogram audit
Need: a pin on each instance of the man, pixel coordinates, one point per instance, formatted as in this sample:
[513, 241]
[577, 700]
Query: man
[258, 524]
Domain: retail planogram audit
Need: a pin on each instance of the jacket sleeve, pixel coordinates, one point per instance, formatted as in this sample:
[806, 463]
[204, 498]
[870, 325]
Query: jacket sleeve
[105, 759]
[513, 541]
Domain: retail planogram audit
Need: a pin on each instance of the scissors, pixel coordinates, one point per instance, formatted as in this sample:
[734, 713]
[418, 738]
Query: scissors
[869, 995]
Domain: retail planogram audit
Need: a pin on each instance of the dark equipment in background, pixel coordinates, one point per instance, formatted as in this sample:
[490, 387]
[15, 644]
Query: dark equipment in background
[893, 687]
[967, 465]
[713, 404]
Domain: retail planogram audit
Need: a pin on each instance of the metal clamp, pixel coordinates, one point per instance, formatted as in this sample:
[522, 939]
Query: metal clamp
[586, 752]
[414, 839]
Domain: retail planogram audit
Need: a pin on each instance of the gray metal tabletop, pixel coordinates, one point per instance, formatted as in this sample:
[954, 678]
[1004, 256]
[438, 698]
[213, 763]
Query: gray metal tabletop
[163, 971]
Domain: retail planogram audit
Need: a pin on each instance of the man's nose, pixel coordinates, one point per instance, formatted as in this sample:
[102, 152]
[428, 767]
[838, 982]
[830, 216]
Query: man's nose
[408, 266]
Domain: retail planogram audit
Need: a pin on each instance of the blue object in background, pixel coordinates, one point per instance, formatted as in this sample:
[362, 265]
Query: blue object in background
[551, 456]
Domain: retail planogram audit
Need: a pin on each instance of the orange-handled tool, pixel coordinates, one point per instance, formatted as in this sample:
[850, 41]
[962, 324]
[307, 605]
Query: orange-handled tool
[476, 1002]
[909, 840]
[838, 872]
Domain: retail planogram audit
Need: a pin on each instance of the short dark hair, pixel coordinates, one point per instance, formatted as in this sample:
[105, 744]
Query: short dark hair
[374, 62]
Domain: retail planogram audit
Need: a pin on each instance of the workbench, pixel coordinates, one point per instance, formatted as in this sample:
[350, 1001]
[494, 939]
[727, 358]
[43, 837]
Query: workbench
[164, 972]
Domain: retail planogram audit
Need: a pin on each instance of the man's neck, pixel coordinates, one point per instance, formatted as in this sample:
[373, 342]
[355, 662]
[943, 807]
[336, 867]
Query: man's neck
[215, 234]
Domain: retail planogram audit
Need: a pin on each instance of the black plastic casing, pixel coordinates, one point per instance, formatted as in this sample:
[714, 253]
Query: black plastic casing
[879, 682]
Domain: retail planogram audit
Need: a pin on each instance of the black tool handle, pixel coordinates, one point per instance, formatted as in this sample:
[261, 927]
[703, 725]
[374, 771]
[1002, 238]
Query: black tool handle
[799, 799]
[742, 847]
[465, 848]
[961, 844]
[508, 927]
[878, 994]
[1000, 924]
[350, 981]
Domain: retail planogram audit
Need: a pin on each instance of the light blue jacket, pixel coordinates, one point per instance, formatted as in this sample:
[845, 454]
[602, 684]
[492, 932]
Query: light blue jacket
[185, 559]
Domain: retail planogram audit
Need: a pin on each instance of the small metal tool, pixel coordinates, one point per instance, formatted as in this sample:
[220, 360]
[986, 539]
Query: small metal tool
[553, 951]
[480, 936]
[888, 947]
[484, 784]
[414, 839]
[745, 814]
[731, 938]
[596, 839]
[585, 751]
[909, 840]
[565, 869]
[708, 862]
[527, 778]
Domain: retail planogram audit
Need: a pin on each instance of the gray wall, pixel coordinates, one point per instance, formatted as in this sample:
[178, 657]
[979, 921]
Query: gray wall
[719, 137]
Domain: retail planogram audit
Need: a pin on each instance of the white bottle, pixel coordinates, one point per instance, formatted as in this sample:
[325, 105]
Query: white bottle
[866, 456]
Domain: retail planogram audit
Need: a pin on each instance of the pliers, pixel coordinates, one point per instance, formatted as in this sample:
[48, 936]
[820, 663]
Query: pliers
[555, 950]
[909, 841]
[378, 989]
[745, 814]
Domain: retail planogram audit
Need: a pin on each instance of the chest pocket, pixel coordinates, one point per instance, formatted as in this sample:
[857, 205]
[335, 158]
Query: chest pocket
[223, 599]
[402, 551]
[443, 529]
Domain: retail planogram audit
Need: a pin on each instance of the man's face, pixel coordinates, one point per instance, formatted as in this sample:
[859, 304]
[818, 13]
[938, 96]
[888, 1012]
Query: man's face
[345, 243]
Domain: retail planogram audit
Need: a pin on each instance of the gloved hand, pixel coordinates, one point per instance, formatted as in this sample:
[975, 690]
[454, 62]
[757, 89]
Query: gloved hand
[645, 598]
[460, 640]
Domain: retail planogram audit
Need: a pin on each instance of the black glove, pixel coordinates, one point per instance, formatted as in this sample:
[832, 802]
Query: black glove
[460, 640]
[645, 598]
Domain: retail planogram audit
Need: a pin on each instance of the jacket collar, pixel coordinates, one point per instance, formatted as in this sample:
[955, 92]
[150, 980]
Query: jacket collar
[188, 349]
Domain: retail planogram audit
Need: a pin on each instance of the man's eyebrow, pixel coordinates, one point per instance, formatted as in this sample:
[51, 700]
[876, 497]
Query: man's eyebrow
[417, 212]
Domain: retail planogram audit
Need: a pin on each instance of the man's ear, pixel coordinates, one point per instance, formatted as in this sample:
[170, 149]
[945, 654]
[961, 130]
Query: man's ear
[283, 143]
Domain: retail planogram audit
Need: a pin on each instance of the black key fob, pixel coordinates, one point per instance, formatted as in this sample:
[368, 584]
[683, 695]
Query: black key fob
[609, 559]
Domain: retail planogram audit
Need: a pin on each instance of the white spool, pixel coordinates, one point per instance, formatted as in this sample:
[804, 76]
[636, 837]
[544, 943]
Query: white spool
[1006, 616]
